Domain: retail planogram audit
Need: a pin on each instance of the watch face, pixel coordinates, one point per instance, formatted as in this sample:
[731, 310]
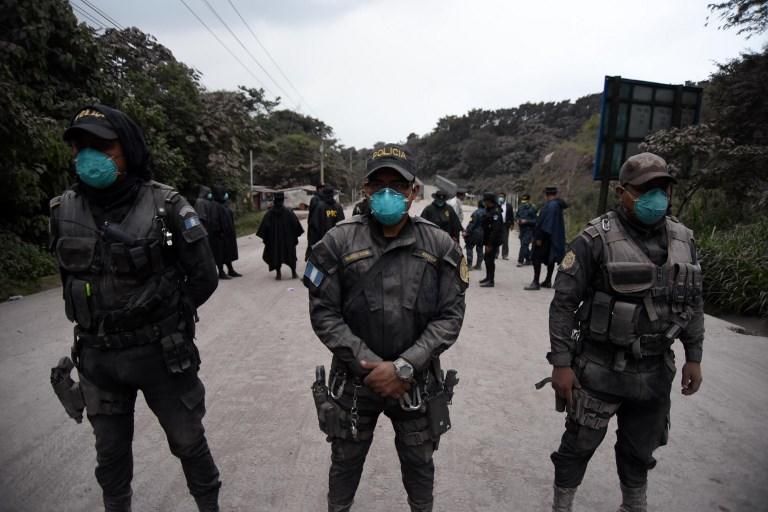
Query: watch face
[404, 371]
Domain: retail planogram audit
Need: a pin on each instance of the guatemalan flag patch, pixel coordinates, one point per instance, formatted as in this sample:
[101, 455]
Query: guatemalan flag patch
[191, 222]
[313, 274]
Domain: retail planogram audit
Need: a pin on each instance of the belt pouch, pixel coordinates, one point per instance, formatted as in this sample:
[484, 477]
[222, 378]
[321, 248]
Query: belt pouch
[622, 330]
[78, 293]
[600, 317]
[437, 415]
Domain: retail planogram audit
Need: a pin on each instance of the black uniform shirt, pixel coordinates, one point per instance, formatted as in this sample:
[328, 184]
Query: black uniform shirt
[582, 273]
[411, 307]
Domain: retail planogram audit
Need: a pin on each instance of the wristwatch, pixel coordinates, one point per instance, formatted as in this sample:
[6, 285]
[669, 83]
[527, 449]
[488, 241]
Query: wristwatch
[403, 369]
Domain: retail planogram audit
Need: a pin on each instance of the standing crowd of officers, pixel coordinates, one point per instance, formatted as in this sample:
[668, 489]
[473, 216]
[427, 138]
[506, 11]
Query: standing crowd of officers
[386, 297]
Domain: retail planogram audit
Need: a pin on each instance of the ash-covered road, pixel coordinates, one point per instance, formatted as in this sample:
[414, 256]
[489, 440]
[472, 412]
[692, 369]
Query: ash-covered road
[259, 354]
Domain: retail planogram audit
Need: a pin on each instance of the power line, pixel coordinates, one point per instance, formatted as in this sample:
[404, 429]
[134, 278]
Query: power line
[247, 50]
[269, 55]
[103, 14]
[88, 17]
[226, 47]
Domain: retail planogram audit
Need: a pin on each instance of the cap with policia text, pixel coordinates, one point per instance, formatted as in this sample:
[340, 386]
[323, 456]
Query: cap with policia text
[92, 121]
[642, 168]
[394, 157]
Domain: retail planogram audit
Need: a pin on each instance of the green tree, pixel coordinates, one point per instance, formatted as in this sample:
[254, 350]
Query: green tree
[748, 16]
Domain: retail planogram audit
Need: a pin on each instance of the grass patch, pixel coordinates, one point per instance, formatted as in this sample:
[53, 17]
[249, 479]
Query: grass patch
[248, 223]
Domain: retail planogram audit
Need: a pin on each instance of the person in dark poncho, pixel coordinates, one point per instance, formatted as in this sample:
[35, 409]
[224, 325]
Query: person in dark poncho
[203, 204]
[548, 238]
[224, 237]
[280, 230]
[326, 213]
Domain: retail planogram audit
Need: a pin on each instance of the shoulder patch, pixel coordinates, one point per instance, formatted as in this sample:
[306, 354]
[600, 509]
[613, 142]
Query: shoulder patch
[464, 271]
[568, 260]
[313, 275]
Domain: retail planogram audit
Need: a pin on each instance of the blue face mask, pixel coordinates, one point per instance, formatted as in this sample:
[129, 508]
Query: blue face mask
[95, 169]
[388, 206]
[209, 196]
[226, 195]
[652, 206]
[439, 203]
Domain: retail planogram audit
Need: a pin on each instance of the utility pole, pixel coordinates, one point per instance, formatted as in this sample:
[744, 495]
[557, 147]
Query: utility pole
[250, 182]
[322, 157]
[354, 186]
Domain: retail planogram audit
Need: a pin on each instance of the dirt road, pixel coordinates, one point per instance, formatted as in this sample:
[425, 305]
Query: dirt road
[259, 353]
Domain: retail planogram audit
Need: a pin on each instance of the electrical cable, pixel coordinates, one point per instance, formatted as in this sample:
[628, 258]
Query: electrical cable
[226, 47]
[103, 15]
[301, 97]
[248, 51]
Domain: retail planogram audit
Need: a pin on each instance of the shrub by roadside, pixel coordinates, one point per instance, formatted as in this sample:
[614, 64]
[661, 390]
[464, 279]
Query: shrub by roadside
[22, 265]
[735, 264]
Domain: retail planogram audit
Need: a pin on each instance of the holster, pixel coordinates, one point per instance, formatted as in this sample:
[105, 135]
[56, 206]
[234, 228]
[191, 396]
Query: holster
[67, 390]
[328, 412]
[437, 415]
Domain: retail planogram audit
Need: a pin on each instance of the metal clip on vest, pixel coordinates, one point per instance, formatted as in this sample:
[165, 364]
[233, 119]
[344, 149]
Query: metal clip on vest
[334, 390]
[412, 404]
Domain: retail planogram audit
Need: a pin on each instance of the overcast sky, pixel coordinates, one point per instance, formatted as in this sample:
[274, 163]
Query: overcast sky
[377, 70]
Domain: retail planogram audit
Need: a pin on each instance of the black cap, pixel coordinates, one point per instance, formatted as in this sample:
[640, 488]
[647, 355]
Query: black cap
[92, 121]
[489, 196]
[394, 157]
[440, 194]
[525, 197]
[642, 168]
[550, 191]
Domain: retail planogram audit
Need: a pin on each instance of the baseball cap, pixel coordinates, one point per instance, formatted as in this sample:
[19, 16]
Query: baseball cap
[92, 121]
[391, 156]
[642, 168]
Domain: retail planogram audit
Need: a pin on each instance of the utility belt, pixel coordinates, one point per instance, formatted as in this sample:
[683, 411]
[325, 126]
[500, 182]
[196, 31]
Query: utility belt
[144, 335]
[646, 352]
[431, 399]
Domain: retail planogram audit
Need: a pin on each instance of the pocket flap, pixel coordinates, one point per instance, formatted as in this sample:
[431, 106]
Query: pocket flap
[75, 254]
[627, 277]
[194, 396]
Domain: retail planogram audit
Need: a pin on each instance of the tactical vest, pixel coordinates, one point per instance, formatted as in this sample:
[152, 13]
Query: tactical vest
[120, 276]
[641, 307]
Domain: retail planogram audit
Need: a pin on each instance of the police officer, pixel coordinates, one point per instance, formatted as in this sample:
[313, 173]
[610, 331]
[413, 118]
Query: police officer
[630, 285]
[135, 266]
[443, 215]
[386, 296]
[493, 237]
[508, 216]
[526, 222]
[326, 213]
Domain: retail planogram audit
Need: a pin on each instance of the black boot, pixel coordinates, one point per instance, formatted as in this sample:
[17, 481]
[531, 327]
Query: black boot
[278, 275]
[118, 503]
[208, 502]
[233, 273]
[563, 499]
[533, 286]
[294, 275]
[487, 284]
[222, 275]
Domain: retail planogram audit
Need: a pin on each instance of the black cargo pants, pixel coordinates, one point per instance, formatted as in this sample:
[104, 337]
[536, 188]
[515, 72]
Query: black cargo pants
[642, 408]
[110, 380]
[348, 456]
